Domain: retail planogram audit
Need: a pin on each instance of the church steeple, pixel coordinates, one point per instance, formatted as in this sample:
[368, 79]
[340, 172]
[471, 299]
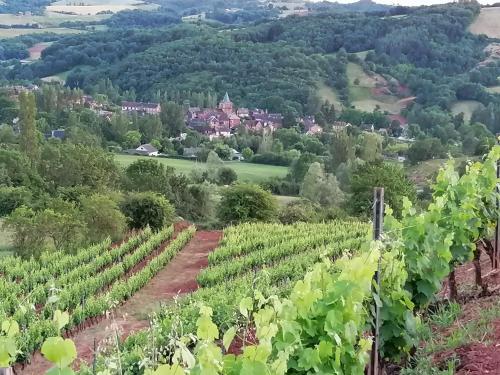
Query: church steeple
[226, 105]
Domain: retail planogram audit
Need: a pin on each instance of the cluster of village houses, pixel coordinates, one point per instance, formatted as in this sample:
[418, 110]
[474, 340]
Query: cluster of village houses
[220, 122]
[223, 121]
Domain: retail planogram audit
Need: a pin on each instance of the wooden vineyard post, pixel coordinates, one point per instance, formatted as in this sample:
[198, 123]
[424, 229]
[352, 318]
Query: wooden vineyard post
[378, 222]
[6, 371]
[94, 358]
[497, 228]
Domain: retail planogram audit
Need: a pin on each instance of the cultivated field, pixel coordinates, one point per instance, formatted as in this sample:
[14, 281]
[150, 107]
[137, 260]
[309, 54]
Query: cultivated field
[467, 107]
[94, 7]
[488, 23]
[48, 22]
[246, 171]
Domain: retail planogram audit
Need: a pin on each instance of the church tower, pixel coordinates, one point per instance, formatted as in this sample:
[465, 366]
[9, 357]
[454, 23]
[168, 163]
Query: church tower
[226, 105]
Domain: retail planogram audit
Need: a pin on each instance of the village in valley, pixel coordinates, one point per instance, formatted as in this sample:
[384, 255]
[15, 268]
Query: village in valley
[219, 122]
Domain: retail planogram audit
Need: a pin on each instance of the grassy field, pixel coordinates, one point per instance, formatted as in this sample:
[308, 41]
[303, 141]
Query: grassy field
[246, 171]
[327, 93]
[422, 173]
[465, 106]
[493, 90]
[362, 96]
[93, 7]
[487, 23]
[61, 77]
[12, 33]
[49, 19]
[362, 54]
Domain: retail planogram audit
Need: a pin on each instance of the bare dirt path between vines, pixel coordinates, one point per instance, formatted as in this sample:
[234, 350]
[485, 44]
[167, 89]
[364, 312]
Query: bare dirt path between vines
[178, 277]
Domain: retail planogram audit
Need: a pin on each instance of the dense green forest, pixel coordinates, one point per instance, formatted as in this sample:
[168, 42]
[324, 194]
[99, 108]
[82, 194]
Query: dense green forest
[429, 50]
[280, 64]
[15, 6]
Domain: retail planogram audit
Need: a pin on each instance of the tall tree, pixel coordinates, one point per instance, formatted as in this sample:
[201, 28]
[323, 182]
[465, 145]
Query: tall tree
[320, 187]
[341, 149]
[172, 118]
[379, 174]
[29, 138]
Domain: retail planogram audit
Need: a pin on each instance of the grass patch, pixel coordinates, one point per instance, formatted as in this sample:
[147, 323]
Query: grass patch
[467, 107]
[425, 171]
[362, 54]
[61, 77]
[356, 72]
[47, 20]
[247, 172]
[361, 92]
[493, 90]
[445, 314]
[326, 93]
[12, 33]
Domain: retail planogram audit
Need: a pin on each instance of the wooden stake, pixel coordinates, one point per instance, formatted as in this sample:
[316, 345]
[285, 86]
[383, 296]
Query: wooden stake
[378, 223]
[497, 229]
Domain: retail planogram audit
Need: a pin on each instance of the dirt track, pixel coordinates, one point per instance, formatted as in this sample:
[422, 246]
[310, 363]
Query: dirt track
[178, 277]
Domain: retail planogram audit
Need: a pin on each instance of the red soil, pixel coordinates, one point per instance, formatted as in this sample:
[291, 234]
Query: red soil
[178, 277]
[36, 50]
[475, 358]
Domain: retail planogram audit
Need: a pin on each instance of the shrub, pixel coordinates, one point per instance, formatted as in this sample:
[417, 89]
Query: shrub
[299, 211]
[246, 203]
[143, 209]
[103, 218]
[281, 186]
[226, 176]
[12, 198]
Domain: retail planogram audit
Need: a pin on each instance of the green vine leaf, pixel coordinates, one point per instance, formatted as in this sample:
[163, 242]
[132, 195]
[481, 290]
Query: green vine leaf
[10, 328]
[61, 319]
[59, 351]
[228, 337]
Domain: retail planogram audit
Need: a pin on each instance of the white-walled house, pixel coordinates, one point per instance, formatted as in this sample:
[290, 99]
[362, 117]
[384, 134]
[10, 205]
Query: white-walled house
[147, 149]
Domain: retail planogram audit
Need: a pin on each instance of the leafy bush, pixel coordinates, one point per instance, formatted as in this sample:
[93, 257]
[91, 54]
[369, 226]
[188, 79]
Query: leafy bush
[143, 209]
[379, 174]
[246, 203]
[12, 198]
[103, 218]
[281, 186]
[226, 176]
[299, 211]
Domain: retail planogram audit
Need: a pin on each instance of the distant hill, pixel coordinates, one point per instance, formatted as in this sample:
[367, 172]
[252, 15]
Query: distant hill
[361, 6]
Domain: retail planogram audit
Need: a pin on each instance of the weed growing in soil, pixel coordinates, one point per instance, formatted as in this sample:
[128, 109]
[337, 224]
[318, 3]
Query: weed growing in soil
[424, 365]
[445, 315]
